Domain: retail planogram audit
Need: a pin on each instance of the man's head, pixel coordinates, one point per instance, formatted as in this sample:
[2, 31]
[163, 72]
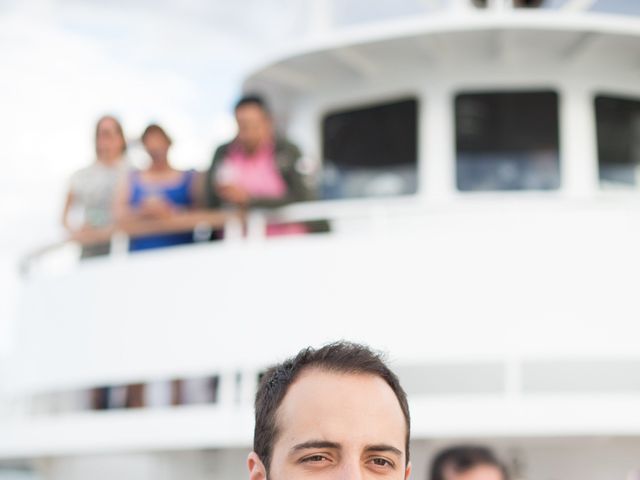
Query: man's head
[331, 412]
[254, 122]
[467, 463]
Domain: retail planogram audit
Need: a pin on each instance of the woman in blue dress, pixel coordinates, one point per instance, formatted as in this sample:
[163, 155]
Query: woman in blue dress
[157, 193]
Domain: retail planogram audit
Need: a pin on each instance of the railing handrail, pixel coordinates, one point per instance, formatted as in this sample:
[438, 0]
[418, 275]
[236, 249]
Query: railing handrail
[118, 233]
[251, 225]
[236, 224]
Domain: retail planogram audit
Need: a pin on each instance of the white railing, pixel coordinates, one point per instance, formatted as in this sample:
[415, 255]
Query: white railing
[118, 235]
[237, 226]
[367, 215]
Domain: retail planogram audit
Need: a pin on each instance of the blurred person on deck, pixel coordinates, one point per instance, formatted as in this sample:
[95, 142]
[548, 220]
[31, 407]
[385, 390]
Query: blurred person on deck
[258, 168]
[159, 192]
[467, 462]
[92, 188]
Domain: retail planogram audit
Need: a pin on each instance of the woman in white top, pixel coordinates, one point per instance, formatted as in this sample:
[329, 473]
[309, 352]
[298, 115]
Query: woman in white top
[92, 188]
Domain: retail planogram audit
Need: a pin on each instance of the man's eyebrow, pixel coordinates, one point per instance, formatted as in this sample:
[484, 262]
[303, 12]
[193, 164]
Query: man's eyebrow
[315, 444]
[383, 448]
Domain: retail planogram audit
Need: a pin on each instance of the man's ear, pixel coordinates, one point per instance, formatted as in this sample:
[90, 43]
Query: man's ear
[407, 471]
[256, 467]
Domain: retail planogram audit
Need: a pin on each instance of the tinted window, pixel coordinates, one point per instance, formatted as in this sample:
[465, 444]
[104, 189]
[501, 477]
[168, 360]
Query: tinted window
[618, 131]
[371, 151]
[507, 141]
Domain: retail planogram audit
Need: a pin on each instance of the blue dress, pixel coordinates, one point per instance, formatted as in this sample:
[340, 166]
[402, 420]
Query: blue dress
[177, 194]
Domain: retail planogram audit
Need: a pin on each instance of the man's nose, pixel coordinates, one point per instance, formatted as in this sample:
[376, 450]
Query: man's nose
[351, 470]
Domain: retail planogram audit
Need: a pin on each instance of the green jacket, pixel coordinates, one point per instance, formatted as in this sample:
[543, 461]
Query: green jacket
[287, 158]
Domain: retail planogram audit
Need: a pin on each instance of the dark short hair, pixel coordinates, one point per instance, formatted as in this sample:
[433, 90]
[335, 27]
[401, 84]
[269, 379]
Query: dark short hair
[155, 128]
[462, 458]
[253, 99]
[339, 357]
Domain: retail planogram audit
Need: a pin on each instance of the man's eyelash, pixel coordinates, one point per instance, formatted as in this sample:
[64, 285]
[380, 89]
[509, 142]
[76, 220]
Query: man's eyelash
[384, 460]
[313, 458]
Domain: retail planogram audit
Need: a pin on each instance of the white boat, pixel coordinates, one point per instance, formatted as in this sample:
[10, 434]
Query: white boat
[479, 179]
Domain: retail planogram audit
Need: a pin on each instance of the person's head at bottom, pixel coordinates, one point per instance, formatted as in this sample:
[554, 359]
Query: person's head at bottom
[337, 412]
[467, 463]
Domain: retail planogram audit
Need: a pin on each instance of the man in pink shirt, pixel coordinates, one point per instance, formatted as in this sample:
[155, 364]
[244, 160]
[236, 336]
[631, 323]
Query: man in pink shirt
[257, 168]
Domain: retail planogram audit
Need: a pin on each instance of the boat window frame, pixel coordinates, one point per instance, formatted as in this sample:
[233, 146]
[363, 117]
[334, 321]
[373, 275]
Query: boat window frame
[494, 88]
[369, 100]
[622, 189]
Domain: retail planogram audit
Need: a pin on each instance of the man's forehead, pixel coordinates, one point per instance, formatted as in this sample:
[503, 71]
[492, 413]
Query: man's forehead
[340, 407]
[316, 380]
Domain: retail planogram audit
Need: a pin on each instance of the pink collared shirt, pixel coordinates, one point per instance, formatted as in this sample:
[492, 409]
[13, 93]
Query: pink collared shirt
[259, 175]
[256, 173]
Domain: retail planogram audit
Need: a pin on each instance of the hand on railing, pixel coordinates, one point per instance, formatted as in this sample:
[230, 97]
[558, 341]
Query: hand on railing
[177, 222]
[183, 221]
[238, 224]
[91, 236]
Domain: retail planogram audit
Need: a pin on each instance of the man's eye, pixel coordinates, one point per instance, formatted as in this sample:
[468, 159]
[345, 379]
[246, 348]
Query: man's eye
[382, 462]
[314, 458]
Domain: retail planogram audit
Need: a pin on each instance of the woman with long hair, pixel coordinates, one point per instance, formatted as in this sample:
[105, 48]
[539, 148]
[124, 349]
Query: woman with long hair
[92, 188]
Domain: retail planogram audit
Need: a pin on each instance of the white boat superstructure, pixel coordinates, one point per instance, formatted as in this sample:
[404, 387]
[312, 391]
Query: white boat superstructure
[483, 233]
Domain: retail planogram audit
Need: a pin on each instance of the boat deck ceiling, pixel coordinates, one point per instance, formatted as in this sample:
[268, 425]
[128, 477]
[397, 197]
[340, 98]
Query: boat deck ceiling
[481, 47]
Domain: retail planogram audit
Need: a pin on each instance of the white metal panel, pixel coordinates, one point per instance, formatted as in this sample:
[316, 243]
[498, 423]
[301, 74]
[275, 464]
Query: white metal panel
[486, 279]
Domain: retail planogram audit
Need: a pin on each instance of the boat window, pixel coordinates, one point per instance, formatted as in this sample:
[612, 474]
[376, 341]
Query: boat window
[618, 133]
[371, 151]
[507, 141]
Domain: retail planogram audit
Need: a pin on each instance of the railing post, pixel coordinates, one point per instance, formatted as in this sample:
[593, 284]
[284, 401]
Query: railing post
[248, 386]
[513, 377]
[227, 388]
[500, 5]
[233, 229]
[256, 226]
[119, 244]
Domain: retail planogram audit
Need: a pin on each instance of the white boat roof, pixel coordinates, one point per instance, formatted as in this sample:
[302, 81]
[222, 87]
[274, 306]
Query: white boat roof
[558, 37]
